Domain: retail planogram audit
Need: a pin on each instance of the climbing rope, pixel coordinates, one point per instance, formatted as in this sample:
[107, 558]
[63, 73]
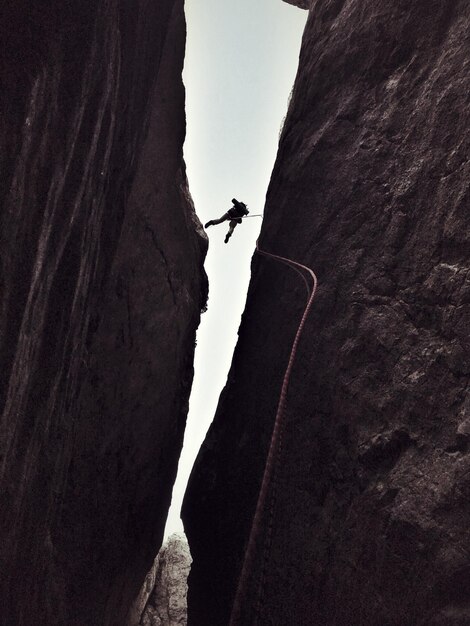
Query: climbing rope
[274, 447]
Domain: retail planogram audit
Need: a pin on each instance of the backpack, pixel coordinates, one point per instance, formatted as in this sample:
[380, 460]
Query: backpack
[239, 208]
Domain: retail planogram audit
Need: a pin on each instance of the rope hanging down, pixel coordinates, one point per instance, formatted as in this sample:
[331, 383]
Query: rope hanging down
[275, 441]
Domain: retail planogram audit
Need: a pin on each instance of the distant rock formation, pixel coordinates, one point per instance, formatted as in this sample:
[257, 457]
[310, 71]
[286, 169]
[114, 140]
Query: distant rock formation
[371, 188]
[101, 287]
[162, 601]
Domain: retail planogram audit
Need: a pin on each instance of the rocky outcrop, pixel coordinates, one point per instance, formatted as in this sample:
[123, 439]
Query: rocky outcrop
[162, 600]
[101, 286]
[371, 189]
[302, 4]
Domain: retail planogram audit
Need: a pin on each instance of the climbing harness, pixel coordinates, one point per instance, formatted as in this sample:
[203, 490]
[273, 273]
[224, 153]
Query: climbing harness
[274, 449]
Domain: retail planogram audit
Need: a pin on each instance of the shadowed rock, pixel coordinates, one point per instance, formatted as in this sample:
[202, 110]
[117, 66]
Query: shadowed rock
[101, 286]
[302, 4]
[371, 189]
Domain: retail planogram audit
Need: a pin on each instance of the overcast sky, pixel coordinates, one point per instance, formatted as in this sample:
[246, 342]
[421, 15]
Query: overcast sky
[241, 61]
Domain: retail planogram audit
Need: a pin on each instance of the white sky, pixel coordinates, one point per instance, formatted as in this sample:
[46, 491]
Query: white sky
[241, 61]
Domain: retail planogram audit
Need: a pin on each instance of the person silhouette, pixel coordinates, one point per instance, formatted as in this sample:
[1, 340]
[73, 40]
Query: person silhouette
[234, 216]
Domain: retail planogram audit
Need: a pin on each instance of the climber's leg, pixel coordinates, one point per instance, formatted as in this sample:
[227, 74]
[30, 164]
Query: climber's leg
[224, 218]
[232, 225]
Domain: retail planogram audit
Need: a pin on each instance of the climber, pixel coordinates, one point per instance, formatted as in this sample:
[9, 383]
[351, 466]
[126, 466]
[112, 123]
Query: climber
[233, 216]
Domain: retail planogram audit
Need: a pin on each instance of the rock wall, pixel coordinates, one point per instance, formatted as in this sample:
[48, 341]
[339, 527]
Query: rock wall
[302, 4]
[101, 287]
[371, 188]
[162, 601]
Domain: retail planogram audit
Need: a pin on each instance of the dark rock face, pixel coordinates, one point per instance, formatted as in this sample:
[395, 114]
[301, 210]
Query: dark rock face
[371, 188]
[302, 4]
[101, 286]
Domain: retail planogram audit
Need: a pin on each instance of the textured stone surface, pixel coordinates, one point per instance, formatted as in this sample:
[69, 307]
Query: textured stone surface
[162, 600]
[371, 188]
[302, 4]
[101, 285]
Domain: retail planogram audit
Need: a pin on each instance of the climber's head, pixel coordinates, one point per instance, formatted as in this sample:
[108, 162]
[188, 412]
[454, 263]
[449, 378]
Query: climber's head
[240, 205]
